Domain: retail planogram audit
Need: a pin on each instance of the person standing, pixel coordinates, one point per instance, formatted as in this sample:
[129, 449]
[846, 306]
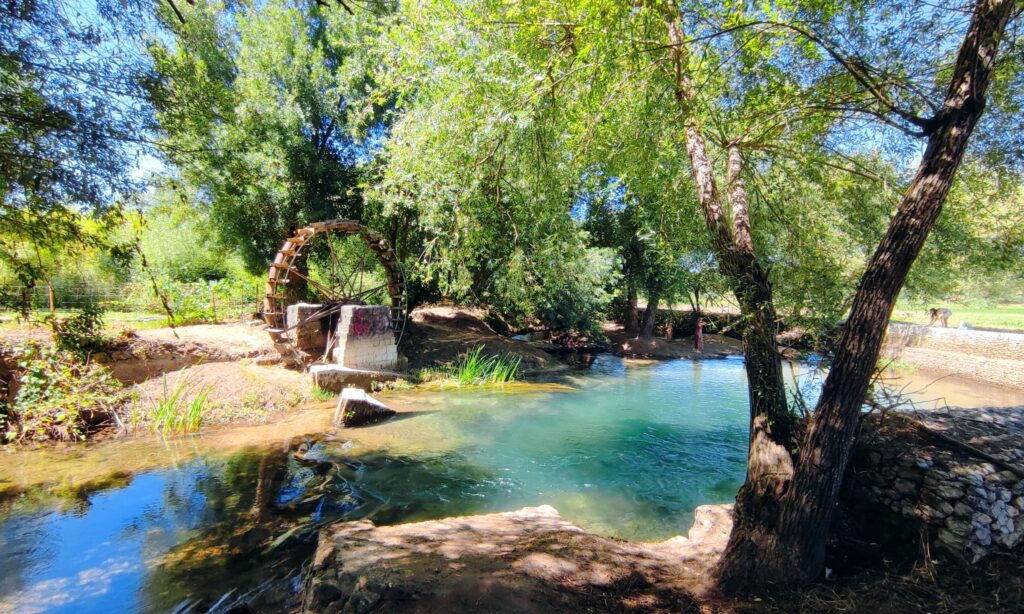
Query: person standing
[698, 335]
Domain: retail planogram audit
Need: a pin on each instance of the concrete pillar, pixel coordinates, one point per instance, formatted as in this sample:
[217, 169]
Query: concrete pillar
[365, 339]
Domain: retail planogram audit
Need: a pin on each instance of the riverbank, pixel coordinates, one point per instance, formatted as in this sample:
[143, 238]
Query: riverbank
[240, 510]
[234, 371]
[992, 358]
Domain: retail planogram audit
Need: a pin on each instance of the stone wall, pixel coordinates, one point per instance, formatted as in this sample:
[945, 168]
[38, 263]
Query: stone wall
[977, 342]
[968, 506]
[996, 358]
[365, 338]
[308, 336]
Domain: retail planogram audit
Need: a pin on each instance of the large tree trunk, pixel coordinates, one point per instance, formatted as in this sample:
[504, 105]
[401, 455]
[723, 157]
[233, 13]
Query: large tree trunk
[650, 316]
[769, 465]
[632, 322]
[792, 549]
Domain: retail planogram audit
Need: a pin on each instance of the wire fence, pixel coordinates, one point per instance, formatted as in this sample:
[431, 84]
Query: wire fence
[189, 302]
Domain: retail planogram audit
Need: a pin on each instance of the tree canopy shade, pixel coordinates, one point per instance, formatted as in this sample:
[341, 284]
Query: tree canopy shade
[793, 121]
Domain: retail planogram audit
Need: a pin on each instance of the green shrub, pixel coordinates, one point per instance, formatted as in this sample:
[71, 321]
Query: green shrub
[82, 333]
[58, 395]
[207, 301]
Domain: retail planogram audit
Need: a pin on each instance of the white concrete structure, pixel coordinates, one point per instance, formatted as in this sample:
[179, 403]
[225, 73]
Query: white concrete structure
[365, 338]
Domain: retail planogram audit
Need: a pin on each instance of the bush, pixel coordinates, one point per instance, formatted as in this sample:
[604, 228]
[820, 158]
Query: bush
[207, 301]
[82, 333]
[58, 396]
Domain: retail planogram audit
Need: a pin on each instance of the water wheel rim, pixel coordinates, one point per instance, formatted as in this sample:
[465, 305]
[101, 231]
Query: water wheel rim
[282, 268]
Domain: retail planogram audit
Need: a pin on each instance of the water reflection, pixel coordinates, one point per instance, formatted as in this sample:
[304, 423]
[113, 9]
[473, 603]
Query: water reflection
[628, 450]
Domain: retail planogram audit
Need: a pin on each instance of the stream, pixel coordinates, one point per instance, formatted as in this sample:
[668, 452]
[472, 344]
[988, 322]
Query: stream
[625, 449]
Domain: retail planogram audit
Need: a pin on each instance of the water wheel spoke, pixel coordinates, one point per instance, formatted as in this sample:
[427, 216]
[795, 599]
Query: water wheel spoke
[362, 262]
[350, 280]
[328, 294]
[335, 273]
[360, 295]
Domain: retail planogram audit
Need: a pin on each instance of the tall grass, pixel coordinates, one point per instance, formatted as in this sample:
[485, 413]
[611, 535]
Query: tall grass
[477, 369]
[175, 412]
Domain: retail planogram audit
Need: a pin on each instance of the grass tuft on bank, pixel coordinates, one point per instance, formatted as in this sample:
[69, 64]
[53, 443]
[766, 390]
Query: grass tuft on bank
[475, 369]
[180, 410]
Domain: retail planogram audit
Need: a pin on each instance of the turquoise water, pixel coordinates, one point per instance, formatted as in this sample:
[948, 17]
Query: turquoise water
[623, 449]
[630, 452]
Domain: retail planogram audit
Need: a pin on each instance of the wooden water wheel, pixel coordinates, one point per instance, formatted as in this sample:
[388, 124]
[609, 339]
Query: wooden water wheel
[339, 284]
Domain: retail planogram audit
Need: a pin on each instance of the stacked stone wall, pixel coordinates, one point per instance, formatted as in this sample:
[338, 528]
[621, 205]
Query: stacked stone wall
[307, 336]
[990, 357]
[969, 506]
[976, 342]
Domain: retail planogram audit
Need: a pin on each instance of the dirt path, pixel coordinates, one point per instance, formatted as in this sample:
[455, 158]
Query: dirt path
[236, 339]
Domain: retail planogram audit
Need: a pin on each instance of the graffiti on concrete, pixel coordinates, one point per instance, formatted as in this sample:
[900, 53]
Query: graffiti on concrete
[368, 321]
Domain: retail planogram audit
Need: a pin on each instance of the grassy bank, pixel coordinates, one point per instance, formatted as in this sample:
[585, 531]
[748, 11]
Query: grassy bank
[1006, 317]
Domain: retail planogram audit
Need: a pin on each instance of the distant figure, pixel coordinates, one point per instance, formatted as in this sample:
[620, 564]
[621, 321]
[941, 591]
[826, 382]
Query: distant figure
[566, 340]
[942, 315]
[698, 335]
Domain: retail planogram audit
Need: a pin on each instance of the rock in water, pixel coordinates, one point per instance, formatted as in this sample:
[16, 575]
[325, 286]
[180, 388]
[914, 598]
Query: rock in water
[356, 408]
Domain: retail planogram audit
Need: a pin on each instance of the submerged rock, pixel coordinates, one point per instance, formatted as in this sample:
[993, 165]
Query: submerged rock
[356, 408]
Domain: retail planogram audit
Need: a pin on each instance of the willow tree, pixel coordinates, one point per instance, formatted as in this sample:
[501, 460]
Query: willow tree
[72, 122]
[791, 546]
[744, 92]
[478, 160]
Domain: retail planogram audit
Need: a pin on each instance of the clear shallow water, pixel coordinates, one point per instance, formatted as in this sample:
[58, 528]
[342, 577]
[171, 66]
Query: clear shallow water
[630, 452]
[626, 449]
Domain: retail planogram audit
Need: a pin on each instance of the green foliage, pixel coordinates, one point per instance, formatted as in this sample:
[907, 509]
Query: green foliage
[180, 410]
[255, 101]
[179, 238]
[207, 301]
[319, 394]
[477, 369]
[568, 106]
[58, 396]
[81, 333]
[68, 108]
[529, 157]
[477, 163]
